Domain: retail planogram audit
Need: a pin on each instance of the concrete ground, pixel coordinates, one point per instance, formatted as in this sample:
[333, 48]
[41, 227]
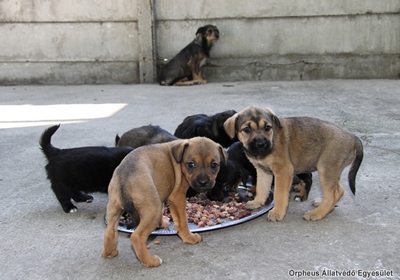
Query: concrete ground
[40, 241]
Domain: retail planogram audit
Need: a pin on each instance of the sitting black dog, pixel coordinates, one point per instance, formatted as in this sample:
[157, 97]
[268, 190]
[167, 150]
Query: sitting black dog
[77, 171]
[208, 126]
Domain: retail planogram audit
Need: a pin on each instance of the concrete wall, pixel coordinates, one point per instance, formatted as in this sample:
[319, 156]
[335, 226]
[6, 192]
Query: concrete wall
[121, 41]
[68, 42]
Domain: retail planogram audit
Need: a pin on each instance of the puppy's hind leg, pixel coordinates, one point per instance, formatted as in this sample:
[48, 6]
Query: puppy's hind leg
[64, 195]
[114, 211]
[82, 197]
[332, 191]
[149, 221]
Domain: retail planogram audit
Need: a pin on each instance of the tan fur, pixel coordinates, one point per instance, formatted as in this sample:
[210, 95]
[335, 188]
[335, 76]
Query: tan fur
[295, 145]
[149, 176]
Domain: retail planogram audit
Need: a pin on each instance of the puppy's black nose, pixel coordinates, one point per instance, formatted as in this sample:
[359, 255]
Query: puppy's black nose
[217, 35]
[262, 143]
[203, 182]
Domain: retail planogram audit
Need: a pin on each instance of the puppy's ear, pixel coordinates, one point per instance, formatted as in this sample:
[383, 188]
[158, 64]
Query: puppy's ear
[201, 30]
[274, 117]
[230, 125]
[223, 154]
[178, 149]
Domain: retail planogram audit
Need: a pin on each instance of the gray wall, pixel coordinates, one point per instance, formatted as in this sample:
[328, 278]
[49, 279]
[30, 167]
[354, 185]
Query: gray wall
[121, 41]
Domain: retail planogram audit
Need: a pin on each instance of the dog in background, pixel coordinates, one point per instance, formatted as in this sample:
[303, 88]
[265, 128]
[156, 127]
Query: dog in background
[208, 126]
[144, 135]
[184, 68]
[75, 172]
[149, 176]
[281, 147]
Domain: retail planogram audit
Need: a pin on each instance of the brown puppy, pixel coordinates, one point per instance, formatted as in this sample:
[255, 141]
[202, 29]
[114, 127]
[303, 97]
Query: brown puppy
[287, 146]
[147, 178]
[184, 68]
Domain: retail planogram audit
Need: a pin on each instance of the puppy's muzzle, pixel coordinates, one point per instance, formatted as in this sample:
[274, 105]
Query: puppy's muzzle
[203, 184]
[260, 146]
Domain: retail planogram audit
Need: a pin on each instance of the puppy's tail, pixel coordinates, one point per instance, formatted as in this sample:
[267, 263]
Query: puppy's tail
[117, 138]
[45, 141]
[356, 165]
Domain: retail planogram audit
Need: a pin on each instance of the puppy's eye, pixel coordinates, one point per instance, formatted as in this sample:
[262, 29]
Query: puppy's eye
[267, 128]
[214, 165]
[246, 130]
[190, 165]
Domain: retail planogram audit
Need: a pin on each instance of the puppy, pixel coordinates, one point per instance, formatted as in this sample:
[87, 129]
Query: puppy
[286, 146]
[236, 169]
[77, 171]
[184, 68]
[239, 169]
[149, 176]
[144, 135]
[209, 126]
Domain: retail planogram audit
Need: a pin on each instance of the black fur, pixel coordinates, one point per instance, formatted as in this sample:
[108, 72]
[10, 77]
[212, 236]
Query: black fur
[238, 169]
[208, 126]
[77, 171]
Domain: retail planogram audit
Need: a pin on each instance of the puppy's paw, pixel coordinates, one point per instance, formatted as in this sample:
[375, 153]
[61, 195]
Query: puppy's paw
[300, 190]
[275, 215]
[153, 261]
[312, 216]
[165, 223]
[317, 202]
[254, 204]
[192, 238]
[113, 254]
[73, 210]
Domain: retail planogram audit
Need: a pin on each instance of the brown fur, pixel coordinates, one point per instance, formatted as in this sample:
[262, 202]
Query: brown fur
[286, 146]
[147, 178]
[184, 68]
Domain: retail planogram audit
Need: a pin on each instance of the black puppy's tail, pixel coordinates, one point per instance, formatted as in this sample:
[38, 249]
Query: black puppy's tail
[45, 141]
[117, 138]
[355, 165]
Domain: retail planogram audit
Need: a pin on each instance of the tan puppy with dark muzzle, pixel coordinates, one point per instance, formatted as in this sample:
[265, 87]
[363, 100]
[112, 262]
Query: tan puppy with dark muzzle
[286, 146]
[150, 175]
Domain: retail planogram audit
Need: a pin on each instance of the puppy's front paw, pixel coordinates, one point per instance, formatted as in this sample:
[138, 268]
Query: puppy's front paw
[254, 204]
[192, 238]
[275, 215]
[113, 254]
[153, 261]
[312, 216]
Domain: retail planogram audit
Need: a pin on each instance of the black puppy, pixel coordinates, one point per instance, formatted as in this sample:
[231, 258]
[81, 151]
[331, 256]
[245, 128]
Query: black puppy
[208, 126]
[237, 169]
[77, 171]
